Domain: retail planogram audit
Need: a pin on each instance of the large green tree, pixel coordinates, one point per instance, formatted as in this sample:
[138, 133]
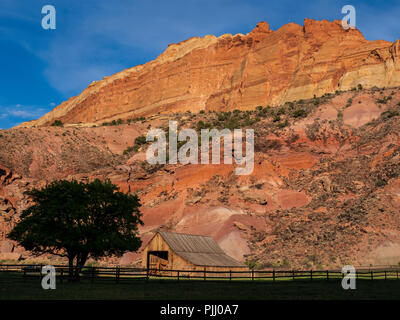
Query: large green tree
[79, 220]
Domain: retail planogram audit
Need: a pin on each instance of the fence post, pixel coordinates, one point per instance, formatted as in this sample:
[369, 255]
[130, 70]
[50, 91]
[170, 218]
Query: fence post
[205, 274]
[230, 275]
[310, 275]
[62, 275]
[93, 272]
[252, 274]
[293, 275]
[117, 275]
[178, 275]
[273, 275]
[40, 273]
[372, 275]
[327, 275]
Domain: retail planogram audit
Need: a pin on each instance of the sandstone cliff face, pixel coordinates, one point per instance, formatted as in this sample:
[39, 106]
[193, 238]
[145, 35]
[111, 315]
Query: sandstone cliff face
[325, 189]
[264, 67]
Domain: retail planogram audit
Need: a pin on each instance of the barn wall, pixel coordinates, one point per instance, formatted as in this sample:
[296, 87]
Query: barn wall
[181, 264]
[175, 262]
[156, 244]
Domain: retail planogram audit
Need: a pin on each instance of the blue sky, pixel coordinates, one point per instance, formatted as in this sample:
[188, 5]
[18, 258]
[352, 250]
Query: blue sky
[40, 68]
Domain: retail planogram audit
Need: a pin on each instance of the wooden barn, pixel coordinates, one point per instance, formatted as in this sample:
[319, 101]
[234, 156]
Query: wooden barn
[177, 251]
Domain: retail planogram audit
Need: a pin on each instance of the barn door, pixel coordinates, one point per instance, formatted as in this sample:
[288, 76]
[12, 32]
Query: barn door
[157, 261]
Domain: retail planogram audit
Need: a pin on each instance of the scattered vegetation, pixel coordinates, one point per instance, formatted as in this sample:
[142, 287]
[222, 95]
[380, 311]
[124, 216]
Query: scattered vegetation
[57, 123]
[384, 100]
[120, 121]
[230, 120]
[252, 264]
[112, 123]
[139, 142]
[285, 262]
[312, 130]
[389, 114]
[300, 113]
[135, 120]
[283, 124]
[236, 119]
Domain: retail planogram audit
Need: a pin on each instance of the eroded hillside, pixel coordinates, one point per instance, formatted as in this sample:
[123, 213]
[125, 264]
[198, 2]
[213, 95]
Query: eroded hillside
[263, 67]
[325, 189]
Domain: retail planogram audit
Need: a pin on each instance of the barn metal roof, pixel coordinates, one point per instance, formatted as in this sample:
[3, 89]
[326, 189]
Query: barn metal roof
[199, 250]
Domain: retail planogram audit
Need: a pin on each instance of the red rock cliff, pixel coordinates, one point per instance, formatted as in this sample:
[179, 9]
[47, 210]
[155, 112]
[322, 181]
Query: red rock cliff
[264, 67]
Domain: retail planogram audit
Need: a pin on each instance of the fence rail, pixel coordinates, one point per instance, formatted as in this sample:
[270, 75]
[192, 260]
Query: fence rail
[128, 273]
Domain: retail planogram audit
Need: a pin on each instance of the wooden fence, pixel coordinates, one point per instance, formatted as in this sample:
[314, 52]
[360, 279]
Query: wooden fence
[125, 273]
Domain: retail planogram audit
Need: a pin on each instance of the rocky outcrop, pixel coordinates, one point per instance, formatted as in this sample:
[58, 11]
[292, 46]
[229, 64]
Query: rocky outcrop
[7, 220]
[230, 72]
[325, 190]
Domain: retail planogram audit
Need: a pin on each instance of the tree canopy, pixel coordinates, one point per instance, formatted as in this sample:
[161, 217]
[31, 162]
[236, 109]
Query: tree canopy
[79, 220]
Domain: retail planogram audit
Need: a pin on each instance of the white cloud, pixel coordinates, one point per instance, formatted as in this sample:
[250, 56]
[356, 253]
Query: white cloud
[23, 112]
[98, 38]
[94, 39]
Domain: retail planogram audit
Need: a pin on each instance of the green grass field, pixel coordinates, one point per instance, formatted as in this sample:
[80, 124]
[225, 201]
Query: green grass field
[14, 287]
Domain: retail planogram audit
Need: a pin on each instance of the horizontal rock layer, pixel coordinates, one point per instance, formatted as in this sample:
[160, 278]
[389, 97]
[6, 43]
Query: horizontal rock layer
[264, 67]
[324, 192]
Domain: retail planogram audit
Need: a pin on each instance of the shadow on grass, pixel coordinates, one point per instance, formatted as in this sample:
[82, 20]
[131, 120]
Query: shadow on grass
[15, 287]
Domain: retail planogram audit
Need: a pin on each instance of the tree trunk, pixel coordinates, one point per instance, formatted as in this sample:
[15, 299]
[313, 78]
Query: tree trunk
[80, 262]
[71, 267]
